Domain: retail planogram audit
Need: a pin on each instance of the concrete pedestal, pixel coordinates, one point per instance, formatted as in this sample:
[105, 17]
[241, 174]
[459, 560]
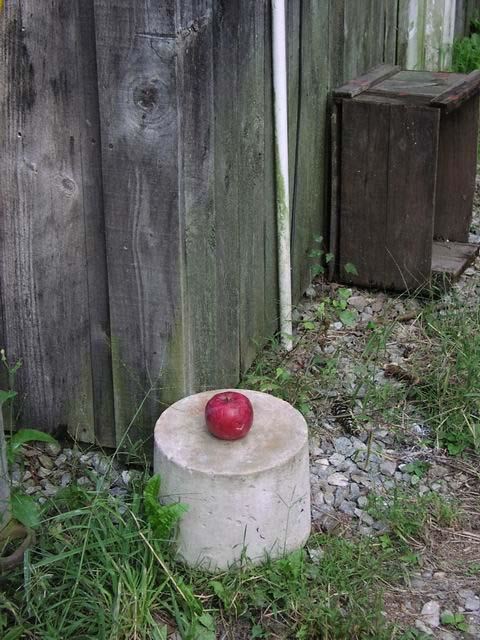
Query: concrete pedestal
[250, 495]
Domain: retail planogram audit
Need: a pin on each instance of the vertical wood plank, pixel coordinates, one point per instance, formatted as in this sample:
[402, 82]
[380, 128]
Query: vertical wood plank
[364, 36]
[335, 184]
[336, 36]
[456, 172]
[294, 88]
[364, 190]
[412, 165]
[251, 109]
[310, 173]
[271, 316]
[197, 187]
[227, 160]
[391, 25]
[49, 275]
[95, 247]
[138, 105]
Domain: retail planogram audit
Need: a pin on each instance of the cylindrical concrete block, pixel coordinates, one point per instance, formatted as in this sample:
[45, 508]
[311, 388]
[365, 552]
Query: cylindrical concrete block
[251, 495]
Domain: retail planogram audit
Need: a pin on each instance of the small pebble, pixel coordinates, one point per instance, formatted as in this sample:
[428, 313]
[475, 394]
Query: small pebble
[362, 501]
[336, 459]
[388, 467]
[431, 613]
[421, 626]
[45, 461]
[338, 480]
[472, 603]
[61, 460]
[316, 555]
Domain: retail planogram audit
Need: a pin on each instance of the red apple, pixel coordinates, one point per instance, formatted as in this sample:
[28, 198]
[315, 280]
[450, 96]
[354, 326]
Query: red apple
[229, 415]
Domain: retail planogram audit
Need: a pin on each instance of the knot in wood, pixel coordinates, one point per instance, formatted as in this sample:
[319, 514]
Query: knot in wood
[146, 97]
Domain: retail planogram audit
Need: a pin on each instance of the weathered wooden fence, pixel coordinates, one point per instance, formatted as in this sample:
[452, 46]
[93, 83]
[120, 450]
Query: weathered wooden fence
[137, 225]
[426, 30]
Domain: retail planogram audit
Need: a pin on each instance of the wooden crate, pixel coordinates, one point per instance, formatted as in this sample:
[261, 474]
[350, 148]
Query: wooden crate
[404, 149]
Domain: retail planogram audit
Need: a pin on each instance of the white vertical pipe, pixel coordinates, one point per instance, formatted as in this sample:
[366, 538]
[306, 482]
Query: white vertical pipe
[280, 102]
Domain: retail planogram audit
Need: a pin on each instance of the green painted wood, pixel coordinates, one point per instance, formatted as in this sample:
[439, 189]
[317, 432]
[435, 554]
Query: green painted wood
[136, 55]
[51, 279]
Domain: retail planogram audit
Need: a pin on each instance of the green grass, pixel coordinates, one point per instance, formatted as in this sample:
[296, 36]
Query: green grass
[407, 513]
[448, 366]
[466, 54]
[97, 572]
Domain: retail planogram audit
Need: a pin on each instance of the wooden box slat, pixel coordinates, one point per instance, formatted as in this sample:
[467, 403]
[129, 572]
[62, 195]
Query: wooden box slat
[367, 81]
[452, 258]
[457, 165]
[458, 93]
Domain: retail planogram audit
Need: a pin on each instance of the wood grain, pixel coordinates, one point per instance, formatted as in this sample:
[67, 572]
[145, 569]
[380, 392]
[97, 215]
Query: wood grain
[51, 204]
[251, 214]
[228, 160]
[364, 190]
[458, 93]
[457, 156]
[412, 163]
[271, 296]
[137, 92]
[197, 186]
[309, 187]
[366, 81]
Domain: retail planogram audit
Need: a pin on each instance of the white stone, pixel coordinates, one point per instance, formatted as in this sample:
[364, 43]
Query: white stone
[388, 467]
[431, 613]
[249, 496]
[472, 603]
[357, 302]
[421, 626]
[338, 480]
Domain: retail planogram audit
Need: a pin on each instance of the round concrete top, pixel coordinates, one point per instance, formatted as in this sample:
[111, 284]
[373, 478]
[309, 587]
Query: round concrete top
[278, 433]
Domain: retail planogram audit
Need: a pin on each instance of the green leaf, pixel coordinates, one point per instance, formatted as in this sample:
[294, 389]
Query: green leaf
[25, 509]
[257, 631]
[308, 325]
[161, 518]
[219, 591]
[318, 238]
[418, 468]
[26, 435]
[315, 253]
[329, 257]
[320, 311]
[317, 270]
[6, 395]
[351, 268]
[344, 294]
[348, 318]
